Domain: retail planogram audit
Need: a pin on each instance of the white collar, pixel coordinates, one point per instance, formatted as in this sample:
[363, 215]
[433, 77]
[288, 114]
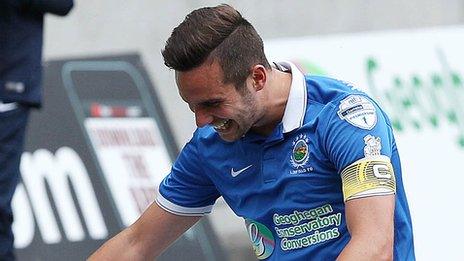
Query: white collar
[296, 104]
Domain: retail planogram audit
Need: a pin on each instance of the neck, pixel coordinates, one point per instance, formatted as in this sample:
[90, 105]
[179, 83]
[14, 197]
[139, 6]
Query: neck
[275, 101]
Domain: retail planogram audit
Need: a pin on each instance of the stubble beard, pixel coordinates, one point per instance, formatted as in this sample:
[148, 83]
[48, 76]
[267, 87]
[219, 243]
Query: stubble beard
[251, 110]
[244, 124]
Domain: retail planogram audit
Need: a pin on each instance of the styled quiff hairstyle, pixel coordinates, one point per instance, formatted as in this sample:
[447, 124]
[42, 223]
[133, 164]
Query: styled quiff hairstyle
[216, 33]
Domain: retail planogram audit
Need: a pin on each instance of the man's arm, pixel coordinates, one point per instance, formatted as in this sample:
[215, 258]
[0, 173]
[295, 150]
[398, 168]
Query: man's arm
[370, 223]
[153, 232]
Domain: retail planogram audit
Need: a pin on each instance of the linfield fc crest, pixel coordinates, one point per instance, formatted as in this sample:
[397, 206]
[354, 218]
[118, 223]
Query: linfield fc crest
[358, 111]
[300, 151]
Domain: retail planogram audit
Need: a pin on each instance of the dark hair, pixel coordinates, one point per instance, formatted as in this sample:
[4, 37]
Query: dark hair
[220, 33]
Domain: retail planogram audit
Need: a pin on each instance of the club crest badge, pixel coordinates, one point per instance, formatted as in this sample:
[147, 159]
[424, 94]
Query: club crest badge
[300, 151]
[373, 146]
[358, 111]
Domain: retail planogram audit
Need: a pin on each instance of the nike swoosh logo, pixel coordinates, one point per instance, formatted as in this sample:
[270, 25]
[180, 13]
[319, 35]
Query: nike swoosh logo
[236, 173]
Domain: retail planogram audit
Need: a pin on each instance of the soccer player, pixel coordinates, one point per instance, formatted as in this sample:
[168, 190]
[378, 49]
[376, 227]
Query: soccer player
[309, 163]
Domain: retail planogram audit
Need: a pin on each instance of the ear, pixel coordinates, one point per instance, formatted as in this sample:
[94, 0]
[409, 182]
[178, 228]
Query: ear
[258, 76]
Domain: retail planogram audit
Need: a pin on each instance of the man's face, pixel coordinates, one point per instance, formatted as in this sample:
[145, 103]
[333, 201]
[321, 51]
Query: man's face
[232, 113]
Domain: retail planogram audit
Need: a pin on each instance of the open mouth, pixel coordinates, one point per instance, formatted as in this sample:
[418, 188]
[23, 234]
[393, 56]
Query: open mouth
[222, 125]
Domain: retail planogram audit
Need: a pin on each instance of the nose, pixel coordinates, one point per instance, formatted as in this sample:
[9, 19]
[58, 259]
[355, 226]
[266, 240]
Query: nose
[202, 117]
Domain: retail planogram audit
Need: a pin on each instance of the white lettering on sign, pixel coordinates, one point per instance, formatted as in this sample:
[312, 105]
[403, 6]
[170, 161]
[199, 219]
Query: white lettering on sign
[58, 171]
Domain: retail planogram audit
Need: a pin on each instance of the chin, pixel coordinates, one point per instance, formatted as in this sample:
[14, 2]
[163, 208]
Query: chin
[232, 134]
[229, 138]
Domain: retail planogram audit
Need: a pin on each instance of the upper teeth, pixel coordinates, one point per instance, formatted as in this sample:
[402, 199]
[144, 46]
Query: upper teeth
[221, 125]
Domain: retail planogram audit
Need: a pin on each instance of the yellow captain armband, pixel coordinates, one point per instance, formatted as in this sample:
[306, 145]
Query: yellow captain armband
[369, 176]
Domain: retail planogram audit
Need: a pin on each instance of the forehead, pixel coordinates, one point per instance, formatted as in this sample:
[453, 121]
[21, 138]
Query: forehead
[200, 83]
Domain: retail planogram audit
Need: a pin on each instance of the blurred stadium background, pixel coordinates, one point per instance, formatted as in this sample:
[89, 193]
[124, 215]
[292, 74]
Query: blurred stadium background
[407, 54]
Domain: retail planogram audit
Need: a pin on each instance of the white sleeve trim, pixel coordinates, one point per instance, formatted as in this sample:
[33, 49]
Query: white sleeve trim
[180, 210]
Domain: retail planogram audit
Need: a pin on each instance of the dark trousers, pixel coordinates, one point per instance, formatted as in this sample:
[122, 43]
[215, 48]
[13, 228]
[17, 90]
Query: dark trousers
[12, 133]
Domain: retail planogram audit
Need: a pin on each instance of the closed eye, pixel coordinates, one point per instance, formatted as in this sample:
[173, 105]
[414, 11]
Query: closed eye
[211, 104]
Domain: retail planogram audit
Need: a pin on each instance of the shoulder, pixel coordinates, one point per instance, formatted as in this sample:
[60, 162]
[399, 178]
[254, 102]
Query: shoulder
[331, 98]
[327, 90]
[339, 97]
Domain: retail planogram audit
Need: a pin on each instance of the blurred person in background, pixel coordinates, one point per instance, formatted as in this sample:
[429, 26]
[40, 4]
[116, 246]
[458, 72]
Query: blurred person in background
[309, 162]
[21, 39]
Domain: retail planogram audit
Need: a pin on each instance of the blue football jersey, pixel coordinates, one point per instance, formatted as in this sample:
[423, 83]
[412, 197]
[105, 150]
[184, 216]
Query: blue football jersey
[334, 144]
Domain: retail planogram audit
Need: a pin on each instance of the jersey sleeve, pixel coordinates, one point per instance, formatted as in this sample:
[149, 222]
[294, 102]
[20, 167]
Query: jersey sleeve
[359, 142]
[186, 190]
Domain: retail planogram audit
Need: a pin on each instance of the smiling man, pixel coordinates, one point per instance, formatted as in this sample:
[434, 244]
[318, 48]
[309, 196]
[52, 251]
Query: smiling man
[309, 163]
